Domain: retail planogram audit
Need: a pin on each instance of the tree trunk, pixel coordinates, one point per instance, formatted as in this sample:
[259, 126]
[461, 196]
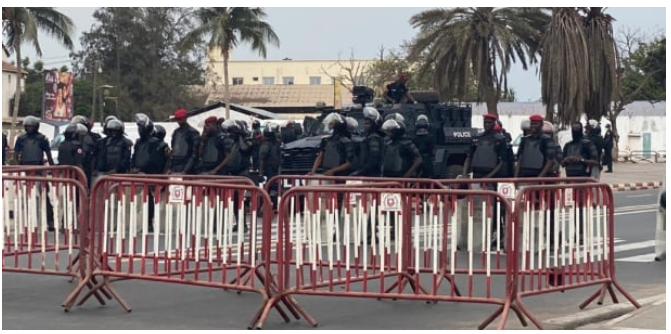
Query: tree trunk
[549, 113]
[227, 92]
[492, 101]
[17, 94]
[616, 136]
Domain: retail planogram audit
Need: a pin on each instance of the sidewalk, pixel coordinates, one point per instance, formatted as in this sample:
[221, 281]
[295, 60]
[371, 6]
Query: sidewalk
[649, 317]
[635, 176]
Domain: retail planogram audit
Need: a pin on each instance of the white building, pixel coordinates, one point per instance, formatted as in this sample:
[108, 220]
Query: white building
[10, 74]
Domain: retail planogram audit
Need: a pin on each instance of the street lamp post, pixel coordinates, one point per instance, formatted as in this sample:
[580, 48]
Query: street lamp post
[116, 103]
[97, 68]
[102, 98]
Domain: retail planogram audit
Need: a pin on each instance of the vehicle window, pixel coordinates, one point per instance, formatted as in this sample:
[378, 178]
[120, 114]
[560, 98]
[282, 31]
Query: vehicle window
[517, 140]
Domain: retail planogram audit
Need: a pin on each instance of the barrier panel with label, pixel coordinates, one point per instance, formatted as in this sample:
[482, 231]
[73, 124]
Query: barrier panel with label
[64, 172]
[45, 227]
[205, 237]
[565, 239]
[383, 248]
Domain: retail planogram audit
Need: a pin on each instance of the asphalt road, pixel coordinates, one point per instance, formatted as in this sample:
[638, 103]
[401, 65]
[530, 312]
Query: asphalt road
[33, 301]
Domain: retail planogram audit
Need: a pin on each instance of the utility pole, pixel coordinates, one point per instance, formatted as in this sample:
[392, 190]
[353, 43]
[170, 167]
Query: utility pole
[96, 69]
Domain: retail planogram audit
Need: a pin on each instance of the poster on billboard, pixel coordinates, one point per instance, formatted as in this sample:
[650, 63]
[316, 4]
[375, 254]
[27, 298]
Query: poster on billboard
[58, 96]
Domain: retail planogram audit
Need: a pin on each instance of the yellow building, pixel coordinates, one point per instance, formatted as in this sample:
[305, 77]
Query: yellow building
[265, 83]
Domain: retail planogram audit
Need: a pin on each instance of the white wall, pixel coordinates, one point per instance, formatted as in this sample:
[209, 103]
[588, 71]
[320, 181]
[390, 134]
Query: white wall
[8, 90]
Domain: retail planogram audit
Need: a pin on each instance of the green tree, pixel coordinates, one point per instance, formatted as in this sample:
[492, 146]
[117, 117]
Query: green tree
[138, 53]
[227, 28]
[477, 44]
[21, 25]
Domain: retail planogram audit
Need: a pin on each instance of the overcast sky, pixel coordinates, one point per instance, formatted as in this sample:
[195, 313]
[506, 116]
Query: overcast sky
[329, 33]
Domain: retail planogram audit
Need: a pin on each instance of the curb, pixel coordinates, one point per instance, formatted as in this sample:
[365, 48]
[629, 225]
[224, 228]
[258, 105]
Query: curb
[597, 315]
[637, 186]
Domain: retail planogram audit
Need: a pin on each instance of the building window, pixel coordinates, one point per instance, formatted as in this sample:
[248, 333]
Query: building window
[315, 80]
[237, 81]
[255, 79]
[268, 80]
[9, 78]
[287, 80]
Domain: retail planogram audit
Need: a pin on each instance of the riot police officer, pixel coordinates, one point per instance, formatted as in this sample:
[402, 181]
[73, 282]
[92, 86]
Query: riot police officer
[580, 157]
[90, 146]
[145, 157]
[548, 129]
[30, 148]
[70, 151]
[163, 149]
[401, 158]
[487, 156]
[236, 149]
[185, 145]
[536, 154]
[5, 147]
[115, 150]
[257, 138]
[32, 145]
[336, 152]
[269, 156]
[213, 150]
[246, 146]
[370, 152]
[288, 133]
[594, 135]
[426, 144]
[105, 122]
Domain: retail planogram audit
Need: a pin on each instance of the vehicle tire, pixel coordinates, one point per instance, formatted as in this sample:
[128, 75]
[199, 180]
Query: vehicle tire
[452, 171]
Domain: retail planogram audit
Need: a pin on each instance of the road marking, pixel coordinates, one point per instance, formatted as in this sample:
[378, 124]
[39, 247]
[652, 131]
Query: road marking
[632, 212]
[650, 257]
[635, 245]
[639, 196]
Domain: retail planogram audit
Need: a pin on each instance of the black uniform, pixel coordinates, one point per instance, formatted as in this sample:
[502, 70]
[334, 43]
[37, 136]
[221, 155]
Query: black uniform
[71, 153]
[213, 153]
[608, 142]
[146, 155]
[269, 160]
[30, 148]
[396, 91]
[487, 151]
[399, 155]
[533, 154]
[115, 155]
[584, 148]
[426, 144]
[5, 147]
[337, 150]
[185, 143]
[370, 155]
[257, 138]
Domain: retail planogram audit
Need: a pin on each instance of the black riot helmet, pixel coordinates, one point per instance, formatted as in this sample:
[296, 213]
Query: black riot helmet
[337, 123]
[115, 127]
[70, 131]
[256, 124]
[31, 124]
[159, 131]
[104, 124]
[81, 119]
[232, 128]
[145, 126]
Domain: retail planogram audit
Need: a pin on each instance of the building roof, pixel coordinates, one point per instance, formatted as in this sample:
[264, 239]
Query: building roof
[9, 67]
[279, 95]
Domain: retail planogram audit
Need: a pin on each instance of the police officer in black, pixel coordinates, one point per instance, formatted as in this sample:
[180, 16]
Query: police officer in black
[288, 133]
[236, 148]
[397, 91]
[32, 145]
[212, 159]
[580, 156]
[246, 145]
[487, 156]
[185, 146]
[70, 151]
[115, 150]
[257, 138]
[426, 144]
[163, 155]
[145, 159]
[30, 148]
[270, 157]
[594, 135]
[336, 152]
[5, 147]
[608, 142]
[371, 149]
[401, 158]
[536, 154]
[90, 145]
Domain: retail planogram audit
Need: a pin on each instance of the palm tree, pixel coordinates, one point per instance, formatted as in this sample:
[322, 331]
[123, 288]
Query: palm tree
[227, 28]
[21, 24]
[480, 44]
[578, 64]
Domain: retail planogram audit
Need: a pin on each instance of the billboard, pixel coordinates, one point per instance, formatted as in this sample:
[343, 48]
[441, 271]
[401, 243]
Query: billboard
[58, 93]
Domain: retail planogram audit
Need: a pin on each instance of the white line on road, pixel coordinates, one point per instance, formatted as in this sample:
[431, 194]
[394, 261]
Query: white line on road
[639, 196]
[632, 212]
[635, 245]
[650, 257]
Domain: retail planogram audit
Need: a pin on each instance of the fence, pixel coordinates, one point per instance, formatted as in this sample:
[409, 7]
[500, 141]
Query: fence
[409, 249]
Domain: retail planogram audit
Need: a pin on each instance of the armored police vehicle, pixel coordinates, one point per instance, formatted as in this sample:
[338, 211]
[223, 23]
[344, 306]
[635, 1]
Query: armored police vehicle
[449, 123]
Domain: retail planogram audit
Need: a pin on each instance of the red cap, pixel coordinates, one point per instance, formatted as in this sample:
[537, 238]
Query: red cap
[180, 113]
[211, 119]
[536, 118]
[493, 117]
[221, 120]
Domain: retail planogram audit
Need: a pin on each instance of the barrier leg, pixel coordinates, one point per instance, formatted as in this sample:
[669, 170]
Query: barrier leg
[626, 294]
[527, 313]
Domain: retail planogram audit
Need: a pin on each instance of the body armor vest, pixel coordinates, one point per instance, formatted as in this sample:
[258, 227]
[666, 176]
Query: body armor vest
[533, 157]
[485, 158]
[31, 153]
